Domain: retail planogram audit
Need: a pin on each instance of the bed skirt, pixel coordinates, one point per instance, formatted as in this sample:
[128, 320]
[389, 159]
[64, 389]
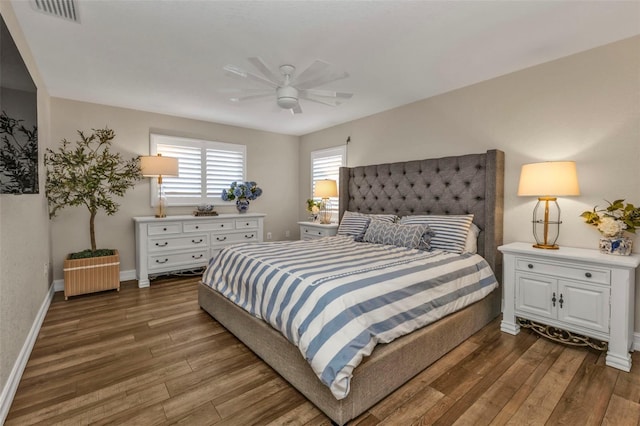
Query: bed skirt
[400, 360]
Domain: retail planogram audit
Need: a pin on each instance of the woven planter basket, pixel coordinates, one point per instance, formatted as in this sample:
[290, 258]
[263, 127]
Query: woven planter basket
[83, 276]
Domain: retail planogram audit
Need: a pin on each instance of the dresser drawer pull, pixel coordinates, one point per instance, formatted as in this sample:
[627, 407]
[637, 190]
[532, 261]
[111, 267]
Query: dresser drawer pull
[247, 224]
[248, 236]
[306, 230]
[530, 266]
[164, 229]
[222, 225]
[561, 301]
[197, 242]
[553, 300]
[162, 245]
[588, 275]
[221, 239]
[197, 257]
[162, 261]
[319, 232]
[197, 227]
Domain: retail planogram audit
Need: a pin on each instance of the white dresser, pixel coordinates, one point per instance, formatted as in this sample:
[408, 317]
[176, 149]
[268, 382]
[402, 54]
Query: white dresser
[313, 230]
[175, 243]
[578, 290]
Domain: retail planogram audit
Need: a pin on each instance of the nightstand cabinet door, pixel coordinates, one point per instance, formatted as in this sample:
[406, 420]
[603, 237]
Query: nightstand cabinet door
[535, 295]
[584, 305]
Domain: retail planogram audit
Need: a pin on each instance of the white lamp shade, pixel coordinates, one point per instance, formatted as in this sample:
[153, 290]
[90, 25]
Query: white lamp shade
[551, 178]
[326, 188]
[157, 165]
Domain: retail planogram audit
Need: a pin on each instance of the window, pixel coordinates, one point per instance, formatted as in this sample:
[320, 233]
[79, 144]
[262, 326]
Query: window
[325, 164]
[205, 169]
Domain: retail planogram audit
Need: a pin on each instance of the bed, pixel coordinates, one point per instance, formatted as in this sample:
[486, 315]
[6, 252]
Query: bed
[461, 185]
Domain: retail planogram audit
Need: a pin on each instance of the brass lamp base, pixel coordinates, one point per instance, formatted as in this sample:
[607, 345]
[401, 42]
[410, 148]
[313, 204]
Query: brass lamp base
[547, 246]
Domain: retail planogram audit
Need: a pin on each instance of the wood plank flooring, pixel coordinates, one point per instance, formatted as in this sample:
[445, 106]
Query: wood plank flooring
[153, 357]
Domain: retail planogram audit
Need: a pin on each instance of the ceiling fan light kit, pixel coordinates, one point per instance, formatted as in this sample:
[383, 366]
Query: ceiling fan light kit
[289, 88]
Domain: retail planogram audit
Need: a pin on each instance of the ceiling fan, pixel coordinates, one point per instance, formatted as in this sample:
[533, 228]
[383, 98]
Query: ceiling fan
[288, 86]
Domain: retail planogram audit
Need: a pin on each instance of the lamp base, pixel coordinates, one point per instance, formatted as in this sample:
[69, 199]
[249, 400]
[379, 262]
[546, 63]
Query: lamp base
[547, 246]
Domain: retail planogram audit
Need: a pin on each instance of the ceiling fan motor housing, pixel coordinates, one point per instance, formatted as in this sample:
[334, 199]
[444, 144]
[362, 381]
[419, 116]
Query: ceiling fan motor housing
[287, 97]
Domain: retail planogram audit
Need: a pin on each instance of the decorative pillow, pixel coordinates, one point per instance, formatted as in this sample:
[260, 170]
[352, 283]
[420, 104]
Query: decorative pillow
[354, 225]
[389, 218]
[450, 231]
[410, 236]
[471, 245]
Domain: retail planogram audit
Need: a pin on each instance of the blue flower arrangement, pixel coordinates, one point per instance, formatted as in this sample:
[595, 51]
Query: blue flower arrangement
[241, 190]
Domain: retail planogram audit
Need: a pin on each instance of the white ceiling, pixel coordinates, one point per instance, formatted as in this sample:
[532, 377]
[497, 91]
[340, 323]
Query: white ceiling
[168, 56]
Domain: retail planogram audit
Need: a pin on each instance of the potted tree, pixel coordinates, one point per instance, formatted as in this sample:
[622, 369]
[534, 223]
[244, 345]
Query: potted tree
[88, 174]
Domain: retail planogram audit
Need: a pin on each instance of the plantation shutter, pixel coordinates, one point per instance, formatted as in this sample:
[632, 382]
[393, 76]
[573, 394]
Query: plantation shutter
[205, 169]
[325, 164]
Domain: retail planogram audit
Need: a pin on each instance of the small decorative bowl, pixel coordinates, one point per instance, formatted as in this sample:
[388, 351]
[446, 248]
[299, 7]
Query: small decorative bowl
[205, 208]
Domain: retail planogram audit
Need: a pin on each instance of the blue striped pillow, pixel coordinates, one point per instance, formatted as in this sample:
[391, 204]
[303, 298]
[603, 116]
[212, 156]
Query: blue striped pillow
[354, 225]
[450, 231]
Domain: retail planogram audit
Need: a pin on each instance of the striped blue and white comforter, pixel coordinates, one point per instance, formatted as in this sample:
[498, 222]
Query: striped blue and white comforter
[335, 299]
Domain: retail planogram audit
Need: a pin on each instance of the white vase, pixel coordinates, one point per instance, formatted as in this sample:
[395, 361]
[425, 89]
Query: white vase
[618, 245]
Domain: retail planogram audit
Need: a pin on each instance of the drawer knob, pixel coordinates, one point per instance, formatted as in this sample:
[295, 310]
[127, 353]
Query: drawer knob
[164, 229]
[197, 227]
[319, 233]
[162, 245]
[197, 257]
[588, 274]
[530, 266]
[162, 261]
[248, 236]
[221, 239]
[247, 223]
[222, 225]
[196, 242]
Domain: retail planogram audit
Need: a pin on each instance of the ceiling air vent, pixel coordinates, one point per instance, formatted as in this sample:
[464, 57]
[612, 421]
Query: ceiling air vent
[66, 9]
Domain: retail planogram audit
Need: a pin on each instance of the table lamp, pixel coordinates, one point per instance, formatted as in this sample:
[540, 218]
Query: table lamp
[547, 181]
[158, 166]
[325, 189]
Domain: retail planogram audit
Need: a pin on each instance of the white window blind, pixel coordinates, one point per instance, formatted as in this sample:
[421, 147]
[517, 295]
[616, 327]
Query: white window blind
[325, 164]
[205, 169]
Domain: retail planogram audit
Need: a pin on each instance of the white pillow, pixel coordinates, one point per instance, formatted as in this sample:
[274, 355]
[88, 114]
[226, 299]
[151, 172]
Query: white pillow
[471, 245]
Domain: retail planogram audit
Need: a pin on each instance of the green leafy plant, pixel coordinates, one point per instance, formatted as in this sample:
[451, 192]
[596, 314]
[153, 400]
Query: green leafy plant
[18, 157]
[88, 174]
[313, 206]
[617, 218]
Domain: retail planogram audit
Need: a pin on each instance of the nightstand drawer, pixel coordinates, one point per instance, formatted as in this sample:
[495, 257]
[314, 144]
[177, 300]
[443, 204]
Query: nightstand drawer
[566, 270]
[312, 232]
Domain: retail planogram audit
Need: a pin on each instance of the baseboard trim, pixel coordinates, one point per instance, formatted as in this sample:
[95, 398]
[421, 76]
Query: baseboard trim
[58, 285]
[636, 341]
[10, 388]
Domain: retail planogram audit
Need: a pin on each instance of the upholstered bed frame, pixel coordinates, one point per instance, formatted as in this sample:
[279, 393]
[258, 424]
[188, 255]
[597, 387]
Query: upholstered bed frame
[452, 185]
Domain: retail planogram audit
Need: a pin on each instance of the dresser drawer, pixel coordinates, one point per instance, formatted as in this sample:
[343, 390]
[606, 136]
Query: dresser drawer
[177, 243]
[564, 270]
[247, 224]
[208, 226]
[165, 228]
[167, 261]
[234, 237]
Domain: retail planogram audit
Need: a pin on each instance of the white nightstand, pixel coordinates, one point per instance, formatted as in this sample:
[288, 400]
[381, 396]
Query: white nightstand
[313, 230]
[577, 290]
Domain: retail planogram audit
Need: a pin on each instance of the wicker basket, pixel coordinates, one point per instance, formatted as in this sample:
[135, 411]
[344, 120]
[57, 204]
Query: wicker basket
[82, 276]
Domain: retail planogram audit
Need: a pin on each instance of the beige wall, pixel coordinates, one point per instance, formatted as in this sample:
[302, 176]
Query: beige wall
[24, 238]
[269, 160]
[584, 107]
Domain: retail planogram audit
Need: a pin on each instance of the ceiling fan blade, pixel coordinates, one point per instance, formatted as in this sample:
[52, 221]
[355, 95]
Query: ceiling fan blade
[326, 93]
[325, 101]
[234, 71]
[251, 97]
[319, 81]
[312, 71]
[245, 91]
[296, 109]
[264, 69]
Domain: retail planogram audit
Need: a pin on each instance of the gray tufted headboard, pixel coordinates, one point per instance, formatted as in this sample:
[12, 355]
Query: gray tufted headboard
[472, 183]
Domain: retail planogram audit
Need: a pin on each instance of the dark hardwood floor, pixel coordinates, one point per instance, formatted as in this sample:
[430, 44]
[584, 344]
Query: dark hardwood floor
[153, 357]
